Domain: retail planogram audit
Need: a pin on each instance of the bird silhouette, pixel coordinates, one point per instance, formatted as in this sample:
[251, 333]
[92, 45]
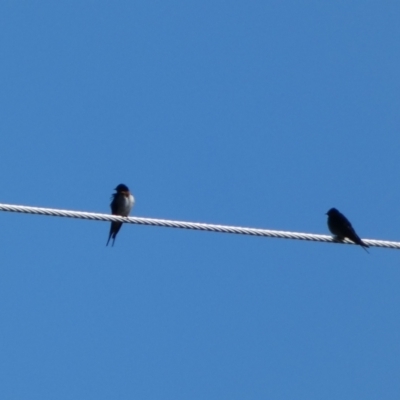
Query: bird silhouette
[121, 204]
[341, 228]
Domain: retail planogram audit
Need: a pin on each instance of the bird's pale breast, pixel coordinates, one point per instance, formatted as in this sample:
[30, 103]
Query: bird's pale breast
[124, 204]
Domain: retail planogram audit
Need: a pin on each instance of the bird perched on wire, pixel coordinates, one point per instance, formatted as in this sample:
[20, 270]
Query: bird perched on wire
[121, 204]
[341, 228]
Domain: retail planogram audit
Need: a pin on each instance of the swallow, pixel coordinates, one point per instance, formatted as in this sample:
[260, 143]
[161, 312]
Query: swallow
[341, 228]
[121, 204]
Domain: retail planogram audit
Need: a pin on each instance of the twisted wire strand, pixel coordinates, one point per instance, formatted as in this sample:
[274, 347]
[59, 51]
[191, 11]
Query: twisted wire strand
[191, 225]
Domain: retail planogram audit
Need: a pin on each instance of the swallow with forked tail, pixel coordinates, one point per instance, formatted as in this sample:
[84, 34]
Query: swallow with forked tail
[341, 228]
[121, 204]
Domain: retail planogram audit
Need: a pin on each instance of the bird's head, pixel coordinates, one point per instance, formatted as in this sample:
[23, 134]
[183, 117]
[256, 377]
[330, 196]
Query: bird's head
[122, 188]
[332, 211]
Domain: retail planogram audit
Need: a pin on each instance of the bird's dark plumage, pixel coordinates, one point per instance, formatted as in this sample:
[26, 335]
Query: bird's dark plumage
[341, 228]
[121, 204]
[121, 188]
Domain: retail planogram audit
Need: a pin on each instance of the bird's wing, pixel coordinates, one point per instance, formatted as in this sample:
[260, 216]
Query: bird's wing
[114, 204]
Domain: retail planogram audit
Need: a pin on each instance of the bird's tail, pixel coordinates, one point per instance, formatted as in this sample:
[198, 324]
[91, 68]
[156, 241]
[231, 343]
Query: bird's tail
[362, 244]
[114, 229]
[112, 236]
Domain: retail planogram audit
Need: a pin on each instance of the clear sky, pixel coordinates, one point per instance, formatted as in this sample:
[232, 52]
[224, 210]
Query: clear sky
[251, 113]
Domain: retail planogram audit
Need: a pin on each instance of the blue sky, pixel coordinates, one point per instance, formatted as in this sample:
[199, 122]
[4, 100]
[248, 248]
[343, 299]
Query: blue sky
[261, 114]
